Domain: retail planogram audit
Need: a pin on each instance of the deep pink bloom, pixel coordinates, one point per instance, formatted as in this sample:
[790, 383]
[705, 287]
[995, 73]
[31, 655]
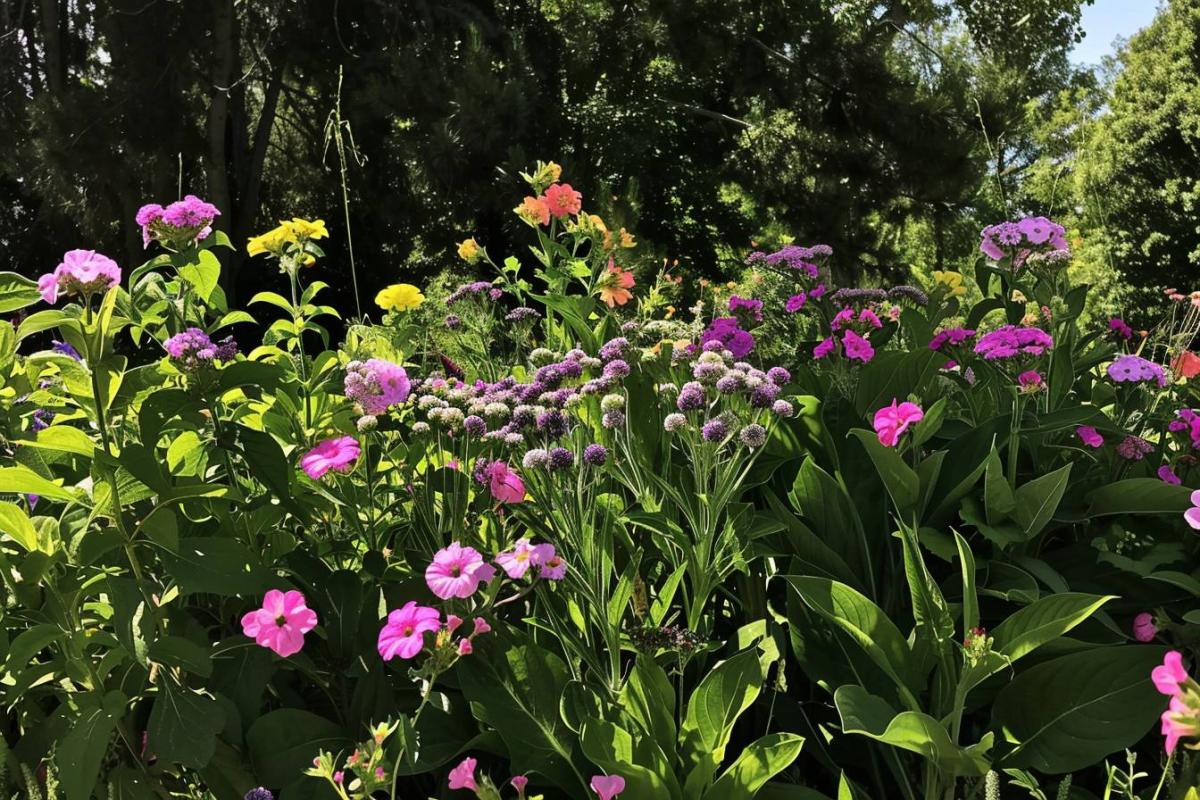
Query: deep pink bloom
[516, 562]
[519, 783]
[453, 622]
[464, 647]
[463, 776]
[82, 272]
[339, 777]
[404, 632]
[1192, 515]
[608, 786]
[892, 421]
[1167, 475]
[1089, 436]
[1144, 629]
[337, 454]
[795, 303]
[1030, 379]
[562, 200]
[376, 385]
[1168, 675]
[824, 348]
[505, 485]
[456, 571]
[1178, 721]
[481, 627]
[281, 623]
[857, 347]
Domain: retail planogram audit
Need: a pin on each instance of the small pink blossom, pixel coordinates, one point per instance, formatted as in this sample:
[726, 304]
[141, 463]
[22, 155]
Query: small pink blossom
[892, 421]
[481, 627]
[516, 562]
[339, 777]
[1144, 628]
[465, 647]
[82, 272]
[337, 454]
[1168, 676]
[1167, 475]
[1089, 436]
[1192, 515]
[457, 571]
[1178, 721]
[463, 776]
[281, 623]
[608, 786]
[519, 783]
[553, 568]
[404, 632]
[452, 623]
[824, 348]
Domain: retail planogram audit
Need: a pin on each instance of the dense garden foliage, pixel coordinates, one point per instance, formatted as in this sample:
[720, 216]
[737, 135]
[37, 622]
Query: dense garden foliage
[546, 534]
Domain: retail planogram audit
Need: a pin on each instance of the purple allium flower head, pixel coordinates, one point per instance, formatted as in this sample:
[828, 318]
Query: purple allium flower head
[706, 372]
[673, 422]
[259, 794]
[376, 385]
[553, 424]
[753, 436]
[691, 397]
[714, 430]
[613, 419]
[731, 383]
[474, 425]
[778, 376]
[561, 458]
[764, 395]
[595, 454]
[453, 322]
[616, 369]
[782, 408]
[614, 348]
[535, 459]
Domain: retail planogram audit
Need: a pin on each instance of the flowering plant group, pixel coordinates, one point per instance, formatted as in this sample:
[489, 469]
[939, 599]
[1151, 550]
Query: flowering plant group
[558, 540]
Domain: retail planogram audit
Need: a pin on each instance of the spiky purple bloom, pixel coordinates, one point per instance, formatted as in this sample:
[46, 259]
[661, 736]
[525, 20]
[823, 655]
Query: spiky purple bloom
[782, 408]
[595, 454]
[474, 425]
[753, 436]
[764, 395]
[616, 368]
[522, 314]
[778, 376]
[614, 348]
[561, 458]
[727, 331]
[691, 397]
[673, 422]
[714, 430]
[613, 419]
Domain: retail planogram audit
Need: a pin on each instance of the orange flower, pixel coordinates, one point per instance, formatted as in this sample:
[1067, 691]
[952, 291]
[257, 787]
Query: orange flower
[1186, 364]
[534, 211]
[615, 284]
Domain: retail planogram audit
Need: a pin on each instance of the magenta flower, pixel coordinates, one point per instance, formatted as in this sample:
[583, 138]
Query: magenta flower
[481, 626]
[825, 348]
[1168, 676]
[464, 647]
[608, 786]
[1178, 721]
[457, 571]
[1144, 629]
[376, 385]
[1167, 475]
[892, 421]
[81, 272]
[337, 454]
[1030, 380]
[795, 303]
[857, 348]
[1192, 515]
[404, 632]
[463, 776]
[504, 484]
[281, 623]
[519, 782]
[1089, 436]
[516, 562]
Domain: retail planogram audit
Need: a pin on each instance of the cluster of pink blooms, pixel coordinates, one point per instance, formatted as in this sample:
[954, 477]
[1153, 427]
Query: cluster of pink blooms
[951, 337]
[403, 634]
[1023, 239]
[1120, 329]
[854, 327]
[500, 479]
[181, 224]
[376, 385]
[83, 273]
[457, 571]
[281, 623]
[606, 787]
[337, 454]
[194, 349]
[558, 201]
[892, 421]
[1176, 296]
[1182, 717]
[1013, 341]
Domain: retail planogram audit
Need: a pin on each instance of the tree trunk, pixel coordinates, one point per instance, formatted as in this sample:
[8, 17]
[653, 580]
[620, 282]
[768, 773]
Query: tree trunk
[52, 47]
[218, 119]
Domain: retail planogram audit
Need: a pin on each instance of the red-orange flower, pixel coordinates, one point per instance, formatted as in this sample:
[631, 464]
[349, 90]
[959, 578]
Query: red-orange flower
[534, 211]
[1186, 364]
[614, 285]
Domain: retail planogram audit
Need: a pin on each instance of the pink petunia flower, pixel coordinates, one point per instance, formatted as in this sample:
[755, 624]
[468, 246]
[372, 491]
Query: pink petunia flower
[516, 562]
[463, 776]
[281, 623]
[404, 632]
[1192, 515]
[1089, 436]
[892, 421]
[1144, 629]
[824, 348]
[457, 571]
[608, 786]
[337, 454]
[562, 200]
[857, 348]
[1178, 721]
[1168, 676]
[504, 484]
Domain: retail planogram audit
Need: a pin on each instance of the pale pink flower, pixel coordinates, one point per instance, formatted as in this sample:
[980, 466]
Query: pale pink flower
[456, 571]
[464, 647]
[550, 565]
[481, 627]
[1178, 721]
[1089, 436]
[404, 632]
[562, 200]
[452, 623]
[463, 776]
[516, 562]
[892, 421]
[1192, 515]
[608, 786]
[1144, 628]
[281, 623]
[1168, 676]
[337, 454]
[504, 484]
[83, 272]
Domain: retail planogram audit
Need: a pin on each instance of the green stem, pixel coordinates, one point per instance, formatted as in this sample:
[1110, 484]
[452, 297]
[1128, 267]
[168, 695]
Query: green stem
[1014, 440]
[297, 325]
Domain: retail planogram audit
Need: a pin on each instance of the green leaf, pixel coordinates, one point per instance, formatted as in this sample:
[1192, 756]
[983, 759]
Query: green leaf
[902, 484]
[758, 763]
[183, 725]
[202, 276]
[1043, 621]
[999, 502]
[649, 700]
[17, 292]
[966, 562]
[214, 565]
[712, 710]
[1037, 501]
[648, 774]
[176, 651]
[1071, 712]
[1139, 496]
[23, 480]
[867, 715]
[894, 376]
[866, 624]
[64, 439]
[81, 752]
[15, 523]
[283, 743]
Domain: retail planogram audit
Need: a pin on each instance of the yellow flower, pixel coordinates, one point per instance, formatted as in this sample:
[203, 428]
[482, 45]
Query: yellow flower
[303, 229]
[273, 241]
[952, 282]
[399, 297]
[553, 172]
[468, 250]
[627, 239]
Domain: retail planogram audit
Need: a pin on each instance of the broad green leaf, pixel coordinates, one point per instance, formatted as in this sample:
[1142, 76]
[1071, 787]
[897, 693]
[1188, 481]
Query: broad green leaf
[15, 523]
[649, 699]
[648, 775]
[283, 743]
[17, 292]
[758, 763]
[966, 563]
[1139, 496]
[712, 710]
[81, 752]
[893, 375]
[183, 725]
[901, 482]
[1071, 712]
[214, 565]
[22, 480]
[1043, 621]
[203, 275]
[1037, 500]
[863, 713]
[176, 651]
[65, 439]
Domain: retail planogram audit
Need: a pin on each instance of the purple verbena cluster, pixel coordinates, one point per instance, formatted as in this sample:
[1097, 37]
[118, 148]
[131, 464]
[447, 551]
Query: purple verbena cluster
[1013, 341]
[193, 349]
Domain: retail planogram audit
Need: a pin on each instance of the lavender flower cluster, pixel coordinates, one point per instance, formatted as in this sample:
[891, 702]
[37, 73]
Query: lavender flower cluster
[193, 350]
[1012, 341]
[807, 260]
[180, 224]
[475, 289]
